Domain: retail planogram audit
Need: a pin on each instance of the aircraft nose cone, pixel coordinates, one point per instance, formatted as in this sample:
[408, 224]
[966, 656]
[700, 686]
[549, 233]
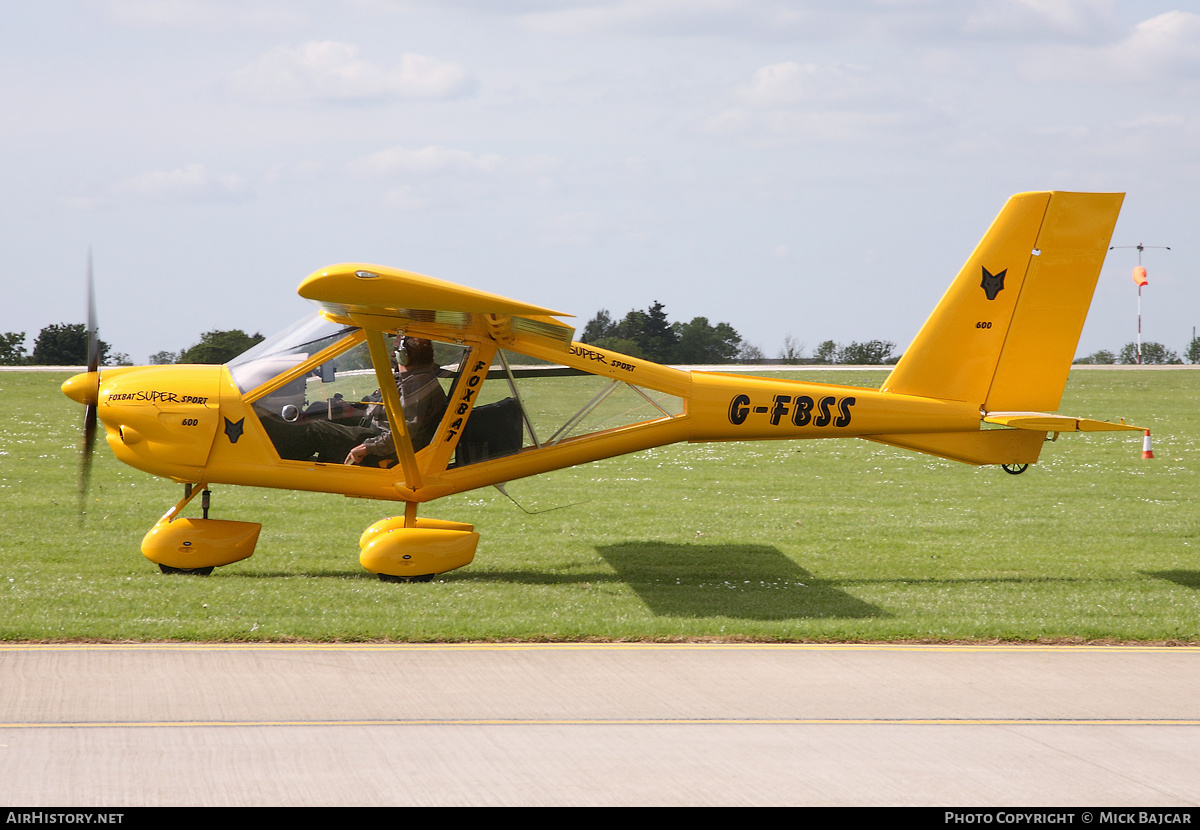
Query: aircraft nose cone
[83, 388]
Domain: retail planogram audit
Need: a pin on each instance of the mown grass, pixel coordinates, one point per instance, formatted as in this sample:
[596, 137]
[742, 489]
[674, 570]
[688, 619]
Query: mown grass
[802, 541]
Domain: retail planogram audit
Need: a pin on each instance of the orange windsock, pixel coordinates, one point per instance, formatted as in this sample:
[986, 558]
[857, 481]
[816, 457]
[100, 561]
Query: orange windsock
[1139, 276]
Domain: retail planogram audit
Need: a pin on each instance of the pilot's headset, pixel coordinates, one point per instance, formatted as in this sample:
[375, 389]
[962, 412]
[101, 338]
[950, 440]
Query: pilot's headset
[413, 351]
[401, 354]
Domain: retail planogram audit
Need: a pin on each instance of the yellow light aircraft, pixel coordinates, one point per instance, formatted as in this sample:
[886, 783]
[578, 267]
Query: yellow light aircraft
[976, 386]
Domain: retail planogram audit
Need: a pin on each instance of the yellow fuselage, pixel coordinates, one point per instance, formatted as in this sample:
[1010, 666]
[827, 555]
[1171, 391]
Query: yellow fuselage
[191, 424]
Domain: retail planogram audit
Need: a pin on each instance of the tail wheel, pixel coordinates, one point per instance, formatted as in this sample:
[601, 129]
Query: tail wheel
[1015, 469]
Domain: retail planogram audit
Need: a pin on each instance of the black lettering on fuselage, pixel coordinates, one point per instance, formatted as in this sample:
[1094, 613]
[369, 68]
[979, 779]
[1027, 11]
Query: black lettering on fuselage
[587, 354]
[801, 410]
[739, 408]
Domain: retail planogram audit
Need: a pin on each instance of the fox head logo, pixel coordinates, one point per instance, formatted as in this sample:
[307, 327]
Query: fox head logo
[993, 284]
[233, 429]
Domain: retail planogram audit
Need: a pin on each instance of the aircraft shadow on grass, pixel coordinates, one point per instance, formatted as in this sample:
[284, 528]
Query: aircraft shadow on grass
[754, 582]
[740, 581]
[1187, 579]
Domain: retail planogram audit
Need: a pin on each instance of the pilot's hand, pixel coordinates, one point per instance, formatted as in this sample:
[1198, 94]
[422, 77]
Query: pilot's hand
[357, 454]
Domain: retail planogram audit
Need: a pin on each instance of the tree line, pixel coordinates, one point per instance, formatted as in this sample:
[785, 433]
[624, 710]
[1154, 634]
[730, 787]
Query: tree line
[59, 344]
[66, 344]
[651, 336]
[870, 353]
[1154, 354]
[647, 334]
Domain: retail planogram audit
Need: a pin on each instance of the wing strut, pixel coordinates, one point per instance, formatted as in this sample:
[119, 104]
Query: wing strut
[512, 385]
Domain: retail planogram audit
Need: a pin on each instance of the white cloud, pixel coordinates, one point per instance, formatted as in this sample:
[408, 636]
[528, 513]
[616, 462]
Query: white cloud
[192, 183]
[331, 71]
[690, 18]
[787, 83]
[1038, 19]
[789, 100]
[404, 198]
[425, 161]
[1162, 49]
[1168, 44]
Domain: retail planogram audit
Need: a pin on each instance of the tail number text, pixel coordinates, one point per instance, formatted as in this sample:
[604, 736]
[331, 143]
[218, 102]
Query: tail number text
[800, 411]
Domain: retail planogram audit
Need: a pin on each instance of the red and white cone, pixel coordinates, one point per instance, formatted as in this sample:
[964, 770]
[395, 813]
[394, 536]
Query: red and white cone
[1146, 451]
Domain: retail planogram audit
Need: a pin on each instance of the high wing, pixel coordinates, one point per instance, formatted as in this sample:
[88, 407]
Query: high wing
[380, 298]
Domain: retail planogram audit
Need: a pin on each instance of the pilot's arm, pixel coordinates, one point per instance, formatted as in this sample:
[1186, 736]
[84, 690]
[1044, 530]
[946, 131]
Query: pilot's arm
[423, 402]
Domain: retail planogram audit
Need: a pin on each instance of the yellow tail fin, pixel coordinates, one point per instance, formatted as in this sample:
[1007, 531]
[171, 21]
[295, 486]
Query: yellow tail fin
[1005, 333]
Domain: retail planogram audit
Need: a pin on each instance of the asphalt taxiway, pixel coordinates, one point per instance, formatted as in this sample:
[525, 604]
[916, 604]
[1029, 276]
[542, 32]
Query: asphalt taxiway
[598, 724]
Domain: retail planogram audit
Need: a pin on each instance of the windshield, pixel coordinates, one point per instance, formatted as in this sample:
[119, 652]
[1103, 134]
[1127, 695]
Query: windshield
[284, 350]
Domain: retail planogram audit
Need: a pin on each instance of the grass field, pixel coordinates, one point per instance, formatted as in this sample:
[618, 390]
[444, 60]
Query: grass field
[801, 541]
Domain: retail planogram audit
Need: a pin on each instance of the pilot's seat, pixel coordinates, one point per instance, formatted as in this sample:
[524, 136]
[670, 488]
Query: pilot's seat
[492, 431]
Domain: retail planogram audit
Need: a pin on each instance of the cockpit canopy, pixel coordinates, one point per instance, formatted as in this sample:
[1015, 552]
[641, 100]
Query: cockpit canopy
[288, 348]
[317, 369]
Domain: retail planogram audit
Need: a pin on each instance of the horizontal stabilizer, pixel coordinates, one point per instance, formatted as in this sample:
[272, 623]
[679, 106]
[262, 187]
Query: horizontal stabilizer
[1055, 423]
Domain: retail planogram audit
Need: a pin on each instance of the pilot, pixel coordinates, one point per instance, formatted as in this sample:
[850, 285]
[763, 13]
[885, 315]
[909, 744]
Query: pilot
[421, 397]
[370, 441]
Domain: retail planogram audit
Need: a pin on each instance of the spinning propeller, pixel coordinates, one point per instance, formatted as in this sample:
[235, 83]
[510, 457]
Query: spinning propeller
[85, 389]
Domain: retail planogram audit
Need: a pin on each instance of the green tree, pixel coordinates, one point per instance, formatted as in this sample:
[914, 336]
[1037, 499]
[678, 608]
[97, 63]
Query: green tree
[749, 353]
[698, 342]
[600, 326]
[163, 358]
[651, 330]
[827, 352]
[1153, 354]
[622, 345]
[219, 346]
[12, 348]
[873, 352]
[1193, 351]
[651, 336]
[1102, 357]
[65, 344]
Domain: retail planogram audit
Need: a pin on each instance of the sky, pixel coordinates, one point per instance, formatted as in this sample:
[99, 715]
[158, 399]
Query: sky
[813, 169]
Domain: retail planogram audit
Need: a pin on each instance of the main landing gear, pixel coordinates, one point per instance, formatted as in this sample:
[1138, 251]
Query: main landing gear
[408, 549]
[399, 549]
[196, 546]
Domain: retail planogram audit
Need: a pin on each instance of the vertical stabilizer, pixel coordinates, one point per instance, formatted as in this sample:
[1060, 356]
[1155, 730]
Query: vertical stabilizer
[1005, 332]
